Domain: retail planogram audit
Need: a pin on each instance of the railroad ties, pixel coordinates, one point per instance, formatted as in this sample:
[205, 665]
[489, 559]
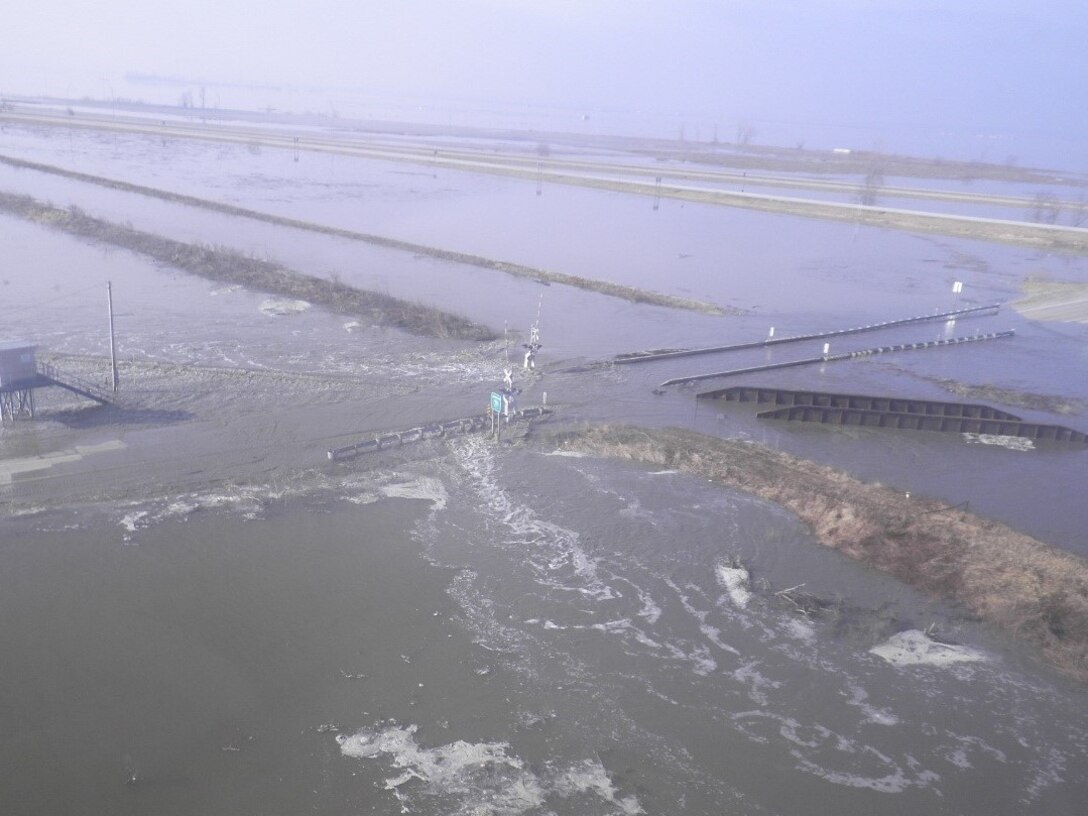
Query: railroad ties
[653, 356]
[849, 355]
[434, 430]
[901, 413]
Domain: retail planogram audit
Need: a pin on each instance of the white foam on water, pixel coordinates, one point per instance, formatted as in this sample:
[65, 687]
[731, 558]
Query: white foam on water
[734, 580]
[1047, 773]
[958, 757]
[280, 307]
[1015, 443]
[964, 747]
[799, 629]
[438, 368]
[363, 498]
[568, 453]
[896, 781]
[592, 777]
[353, 325]
[650, 611]
[423, 487]
[19, 512]
[859, 698]
[634, 510]
[664, 472]
[837, 759]
[756, 682]
[711, 633]
[475, 778]
[134, 521]
[624, 626]
[554, 551]
[914, 648]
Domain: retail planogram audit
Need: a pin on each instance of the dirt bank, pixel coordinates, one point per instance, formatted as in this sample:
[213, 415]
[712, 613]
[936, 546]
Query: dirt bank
[264, 276]
[1012, 581]
[1054, 301]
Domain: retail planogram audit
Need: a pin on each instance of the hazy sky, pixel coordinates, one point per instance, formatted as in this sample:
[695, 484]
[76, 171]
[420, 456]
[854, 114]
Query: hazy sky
[964, 64]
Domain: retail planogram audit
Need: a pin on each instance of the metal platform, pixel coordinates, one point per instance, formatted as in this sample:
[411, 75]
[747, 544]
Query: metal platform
[17, 399]
[899, 413]
[860, 402]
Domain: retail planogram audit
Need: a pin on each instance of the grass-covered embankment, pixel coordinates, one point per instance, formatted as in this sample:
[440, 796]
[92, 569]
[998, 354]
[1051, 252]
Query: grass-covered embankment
[1028, 589]
[618, 290]
[229, 266]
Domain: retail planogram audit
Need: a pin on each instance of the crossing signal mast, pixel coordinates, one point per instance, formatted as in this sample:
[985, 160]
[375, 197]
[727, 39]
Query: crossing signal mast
[534, 339]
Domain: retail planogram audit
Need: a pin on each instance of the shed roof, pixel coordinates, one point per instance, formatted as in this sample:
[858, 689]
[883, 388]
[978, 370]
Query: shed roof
[16, 345]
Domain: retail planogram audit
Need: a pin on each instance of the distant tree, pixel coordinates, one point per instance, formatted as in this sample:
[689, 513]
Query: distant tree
[1046, 208]
[745, 134]
[871, 185]
[1078, 213]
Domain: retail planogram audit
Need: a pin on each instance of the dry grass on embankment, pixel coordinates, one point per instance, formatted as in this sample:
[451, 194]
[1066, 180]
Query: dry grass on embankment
[1022, 586]
[229, 266]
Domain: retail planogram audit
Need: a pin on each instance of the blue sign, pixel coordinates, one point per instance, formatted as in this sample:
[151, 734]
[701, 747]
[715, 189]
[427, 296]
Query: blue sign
[496, 402]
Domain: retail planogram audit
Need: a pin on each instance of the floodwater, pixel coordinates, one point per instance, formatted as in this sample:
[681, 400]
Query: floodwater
[202, 614]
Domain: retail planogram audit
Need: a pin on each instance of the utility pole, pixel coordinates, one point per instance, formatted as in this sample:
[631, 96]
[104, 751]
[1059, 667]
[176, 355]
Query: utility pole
[113, 344]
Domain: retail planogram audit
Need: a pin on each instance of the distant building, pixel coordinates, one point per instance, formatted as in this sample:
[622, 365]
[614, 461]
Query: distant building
[17, 364]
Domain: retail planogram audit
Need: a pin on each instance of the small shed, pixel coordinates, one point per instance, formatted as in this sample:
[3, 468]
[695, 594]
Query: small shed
[17, 363]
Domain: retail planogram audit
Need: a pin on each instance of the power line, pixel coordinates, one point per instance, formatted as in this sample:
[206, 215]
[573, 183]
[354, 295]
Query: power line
[30, 306]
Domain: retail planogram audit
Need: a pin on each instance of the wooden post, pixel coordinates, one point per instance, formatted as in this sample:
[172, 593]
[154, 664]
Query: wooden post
[113, 345]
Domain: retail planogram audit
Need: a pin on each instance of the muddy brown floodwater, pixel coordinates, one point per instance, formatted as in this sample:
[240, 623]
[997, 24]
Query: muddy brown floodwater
[202, 613]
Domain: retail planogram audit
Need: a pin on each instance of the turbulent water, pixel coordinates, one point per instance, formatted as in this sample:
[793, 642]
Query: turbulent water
[204, 615]
[613, 599]
[561, 635]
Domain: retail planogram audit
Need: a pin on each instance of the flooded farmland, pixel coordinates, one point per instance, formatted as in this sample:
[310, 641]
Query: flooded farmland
[204, 614]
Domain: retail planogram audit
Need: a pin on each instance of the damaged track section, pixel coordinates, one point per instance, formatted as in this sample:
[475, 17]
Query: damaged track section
[228, 266]
[434, 430]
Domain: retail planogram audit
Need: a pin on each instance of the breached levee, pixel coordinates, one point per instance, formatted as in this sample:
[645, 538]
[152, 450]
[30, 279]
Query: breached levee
[229, 266]
[1030, 590]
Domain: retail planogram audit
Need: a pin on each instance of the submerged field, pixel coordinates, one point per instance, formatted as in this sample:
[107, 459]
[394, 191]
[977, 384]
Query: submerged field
[207, 615]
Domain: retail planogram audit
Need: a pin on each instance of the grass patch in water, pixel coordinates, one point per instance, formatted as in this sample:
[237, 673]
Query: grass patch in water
[230, 266]
[622, 291]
